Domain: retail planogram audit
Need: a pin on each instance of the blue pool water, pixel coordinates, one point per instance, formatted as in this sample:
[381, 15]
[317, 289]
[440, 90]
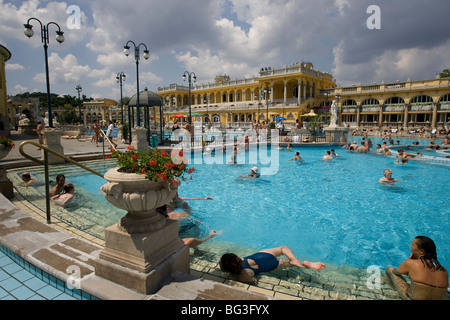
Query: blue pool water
[332, 211]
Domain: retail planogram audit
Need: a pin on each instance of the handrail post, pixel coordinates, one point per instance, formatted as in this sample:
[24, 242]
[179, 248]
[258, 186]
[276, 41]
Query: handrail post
[47, 191]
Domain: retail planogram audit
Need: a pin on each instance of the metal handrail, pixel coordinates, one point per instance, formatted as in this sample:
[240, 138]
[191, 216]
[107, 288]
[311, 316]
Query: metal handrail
[45, 163]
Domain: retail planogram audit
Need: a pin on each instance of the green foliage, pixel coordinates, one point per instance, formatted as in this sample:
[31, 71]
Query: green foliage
[445, 73]
[157, 165]
[69, 115]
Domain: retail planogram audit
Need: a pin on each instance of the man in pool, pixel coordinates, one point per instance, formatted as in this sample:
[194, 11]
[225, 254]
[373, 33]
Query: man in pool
[26, 177]
[388, 177]
[60, 182]
[296, 156]
[263, 261]
[429, 279]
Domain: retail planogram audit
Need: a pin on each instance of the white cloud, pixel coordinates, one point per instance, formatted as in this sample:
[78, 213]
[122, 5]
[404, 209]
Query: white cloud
[19, 89]
[14, 66]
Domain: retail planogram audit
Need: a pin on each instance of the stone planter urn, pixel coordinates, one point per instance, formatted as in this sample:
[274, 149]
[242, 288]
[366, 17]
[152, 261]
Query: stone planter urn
[140, 197]
[144, 247]
[4, 151]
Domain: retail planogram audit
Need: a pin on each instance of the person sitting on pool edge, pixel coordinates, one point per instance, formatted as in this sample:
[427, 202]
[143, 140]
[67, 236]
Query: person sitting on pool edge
[263, 261]
[429, 279]
[388, 177]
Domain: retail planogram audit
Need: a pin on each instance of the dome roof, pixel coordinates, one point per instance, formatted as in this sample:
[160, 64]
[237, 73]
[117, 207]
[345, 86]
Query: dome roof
[146, 98]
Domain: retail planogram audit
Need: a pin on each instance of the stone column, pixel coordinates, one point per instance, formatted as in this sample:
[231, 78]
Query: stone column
[52, 140]
[140, 142]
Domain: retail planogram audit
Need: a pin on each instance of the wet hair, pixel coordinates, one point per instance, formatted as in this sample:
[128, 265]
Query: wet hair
[59, 177]
[26, 175]
[430, 257]
[68, 187]
[385, 171]
[231, 263]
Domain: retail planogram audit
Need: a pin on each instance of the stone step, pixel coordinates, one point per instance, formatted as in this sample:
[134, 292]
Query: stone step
[187, 287]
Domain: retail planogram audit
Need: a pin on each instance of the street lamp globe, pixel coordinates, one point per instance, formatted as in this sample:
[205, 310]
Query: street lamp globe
[126, 50]
[28, 31]
[146, 54]
[60, 36]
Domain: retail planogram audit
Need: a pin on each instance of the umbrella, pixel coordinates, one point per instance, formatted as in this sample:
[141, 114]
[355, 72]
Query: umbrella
[280, 118]
[178, 116]
[310, 114]
[194, 114]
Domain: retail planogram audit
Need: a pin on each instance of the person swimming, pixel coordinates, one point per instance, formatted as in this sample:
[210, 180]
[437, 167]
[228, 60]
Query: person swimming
[388, 177]
[429, 279]
[66, 197]
[296, 156]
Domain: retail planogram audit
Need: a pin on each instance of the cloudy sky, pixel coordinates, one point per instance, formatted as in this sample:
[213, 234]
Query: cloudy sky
[211, 37]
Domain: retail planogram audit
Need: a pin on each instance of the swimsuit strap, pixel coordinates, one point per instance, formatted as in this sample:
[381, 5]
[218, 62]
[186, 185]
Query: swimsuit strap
[429, 285]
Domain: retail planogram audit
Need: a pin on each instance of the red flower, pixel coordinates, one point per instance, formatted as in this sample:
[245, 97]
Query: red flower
[107, 157]
[163, 153]
[133, 156]
[143, 171]
[181, 153]
[190, 177]
[152, 163]
[129, 147]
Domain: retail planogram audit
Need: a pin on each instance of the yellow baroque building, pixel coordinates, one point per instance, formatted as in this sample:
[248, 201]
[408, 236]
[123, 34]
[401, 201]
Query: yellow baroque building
[288, 92]
[409, 104]
[295, 90]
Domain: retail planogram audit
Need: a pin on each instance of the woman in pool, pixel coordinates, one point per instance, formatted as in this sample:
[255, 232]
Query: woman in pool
[263, 261]
[388, 177]
[64, 198]
[429, 279]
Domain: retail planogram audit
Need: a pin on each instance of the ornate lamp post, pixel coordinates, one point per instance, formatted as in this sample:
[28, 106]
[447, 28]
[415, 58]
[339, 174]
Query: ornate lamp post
[79, 89]
[45, 40]
[191, 76]
[120, 78]
[126, 51]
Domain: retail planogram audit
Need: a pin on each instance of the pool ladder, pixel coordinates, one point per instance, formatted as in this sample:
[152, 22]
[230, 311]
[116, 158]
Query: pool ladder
[45, 163]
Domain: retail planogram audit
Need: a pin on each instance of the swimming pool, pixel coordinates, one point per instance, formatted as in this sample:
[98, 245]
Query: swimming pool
[332, 211]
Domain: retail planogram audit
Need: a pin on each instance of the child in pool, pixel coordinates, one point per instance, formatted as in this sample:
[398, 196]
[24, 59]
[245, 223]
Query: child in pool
[64, 198]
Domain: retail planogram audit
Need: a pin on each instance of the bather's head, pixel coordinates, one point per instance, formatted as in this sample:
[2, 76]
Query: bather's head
[231, 263]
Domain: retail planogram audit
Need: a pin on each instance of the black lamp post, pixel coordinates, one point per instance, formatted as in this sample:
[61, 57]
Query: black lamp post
[191, 76]
[79, 89]
[45, 40]
[126, 51]
[120, 78]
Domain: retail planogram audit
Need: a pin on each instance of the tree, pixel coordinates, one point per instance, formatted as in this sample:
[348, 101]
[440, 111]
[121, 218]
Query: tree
[69, 115]
[445, 73]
